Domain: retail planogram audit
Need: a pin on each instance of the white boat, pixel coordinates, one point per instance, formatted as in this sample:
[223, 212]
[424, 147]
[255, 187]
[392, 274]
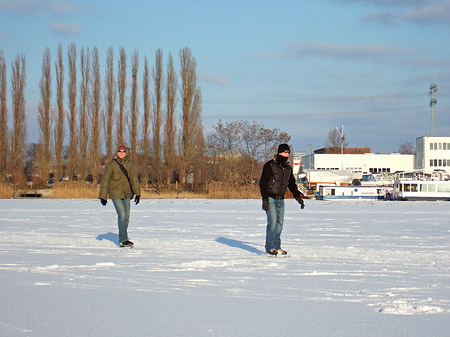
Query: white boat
[407, 189]
[353, 192]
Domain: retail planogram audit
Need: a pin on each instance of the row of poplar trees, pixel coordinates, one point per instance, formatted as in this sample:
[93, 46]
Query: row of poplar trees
[134, 109]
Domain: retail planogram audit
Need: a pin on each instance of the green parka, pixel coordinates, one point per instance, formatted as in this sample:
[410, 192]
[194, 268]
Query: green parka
[115, 184]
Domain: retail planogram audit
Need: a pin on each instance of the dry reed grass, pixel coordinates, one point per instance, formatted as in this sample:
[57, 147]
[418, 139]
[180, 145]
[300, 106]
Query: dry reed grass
[81, 190]
[75, 190]
[6, 191]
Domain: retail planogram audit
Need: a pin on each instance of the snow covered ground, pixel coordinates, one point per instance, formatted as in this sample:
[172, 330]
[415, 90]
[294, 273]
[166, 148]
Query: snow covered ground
[199, 269]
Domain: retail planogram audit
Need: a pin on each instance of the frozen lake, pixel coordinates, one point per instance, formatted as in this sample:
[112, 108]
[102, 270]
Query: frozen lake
[199, 269]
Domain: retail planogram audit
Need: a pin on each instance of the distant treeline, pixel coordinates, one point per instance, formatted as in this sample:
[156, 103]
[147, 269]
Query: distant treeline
[96, 114]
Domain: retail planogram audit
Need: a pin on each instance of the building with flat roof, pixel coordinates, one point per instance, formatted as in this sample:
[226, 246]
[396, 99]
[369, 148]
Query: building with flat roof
[432, 153]
[360, 163]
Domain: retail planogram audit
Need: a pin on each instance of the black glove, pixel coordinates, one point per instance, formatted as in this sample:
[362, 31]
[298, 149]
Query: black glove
[265, 204]
[301, 202]
[103, 201]
[137, 199]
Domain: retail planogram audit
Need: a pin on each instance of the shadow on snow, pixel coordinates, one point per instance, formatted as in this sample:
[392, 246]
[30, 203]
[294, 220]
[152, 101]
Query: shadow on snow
[114, 238]
[240, 244]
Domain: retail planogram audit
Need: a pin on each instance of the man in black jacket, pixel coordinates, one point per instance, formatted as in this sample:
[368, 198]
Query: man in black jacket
[276, 177]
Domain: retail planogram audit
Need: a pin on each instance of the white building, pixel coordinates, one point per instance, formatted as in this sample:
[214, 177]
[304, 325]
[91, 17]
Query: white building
[432, 153]
[360, 163]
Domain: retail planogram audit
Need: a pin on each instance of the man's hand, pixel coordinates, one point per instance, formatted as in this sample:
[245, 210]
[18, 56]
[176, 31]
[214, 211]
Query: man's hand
[301, 202]
[103, 201]
[137, 199]
[265, 204]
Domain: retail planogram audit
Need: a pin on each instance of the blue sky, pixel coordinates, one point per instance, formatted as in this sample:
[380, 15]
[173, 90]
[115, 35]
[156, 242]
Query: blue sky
[303, 66]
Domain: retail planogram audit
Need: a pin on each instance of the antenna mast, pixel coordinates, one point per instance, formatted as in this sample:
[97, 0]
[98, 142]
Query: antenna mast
[433, 102]
[341, 133]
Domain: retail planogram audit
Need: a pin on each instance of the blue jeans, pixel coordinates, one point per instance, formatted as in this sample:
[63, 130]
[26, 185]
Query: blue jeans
[122, 207]
[275, 220]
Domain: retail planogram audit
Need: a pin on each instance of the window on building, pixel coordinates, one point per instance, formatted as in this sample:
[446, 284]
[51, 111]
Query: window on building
[431, 146]
[445, 146]
[435, 146]
[440, 146]
[431, 162]
[440, 162]
[435, 162]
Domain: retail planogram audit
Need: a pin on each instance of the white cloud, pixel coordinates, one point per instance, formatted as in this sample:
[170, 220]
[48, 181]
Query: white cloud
[65, 28]
[31, 6]
[435, 13]
[214, 78]
[389, 3]
[387, 18]
[369, 52]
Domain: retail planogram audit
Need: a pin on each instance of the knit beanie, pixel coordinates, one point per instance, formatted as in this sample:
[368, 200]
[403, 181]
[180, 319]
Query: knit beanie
[284, 148]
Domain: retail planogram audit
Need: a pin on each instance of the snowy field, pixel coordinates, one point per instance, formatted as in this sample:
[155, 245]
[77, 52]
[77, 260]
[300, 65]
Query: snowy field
[199, 269]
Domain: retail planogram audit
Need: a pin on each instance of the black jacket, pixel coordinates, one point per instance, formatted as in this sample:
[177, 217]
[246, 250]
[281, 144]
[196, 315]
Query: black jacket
[276, 178]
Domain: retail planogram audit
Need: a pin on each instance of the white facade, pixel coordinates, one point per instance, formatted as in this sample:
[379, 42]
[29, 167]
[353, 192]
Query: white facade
[433, 153]
[360, 163]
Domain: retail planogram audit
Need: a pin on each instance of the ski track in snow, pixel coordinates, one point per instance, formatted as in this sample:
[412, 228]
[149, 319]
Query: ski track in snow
[392, 257]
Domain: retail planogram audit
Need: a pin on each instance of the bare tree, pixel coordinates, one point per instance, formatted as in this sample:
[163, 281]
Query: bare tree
[170, 129]
[146, 122]
[191, 112]
[272, 138]
[3, 117]
[110, 100]
[122, 87]
[235, 149]
[18, 82]
[198, 137]
[44, 118]
[158, 77]
[59, 125]
[335, 141]
[134, 102]
[95, 104]
[72, 118]
[252, 147]
[224, 145]
[83, 110]
[407, 148]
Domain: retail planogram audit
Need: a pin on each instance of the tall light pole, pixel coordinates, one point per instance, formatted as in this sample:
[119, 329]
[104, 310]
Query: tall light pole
[433, 102]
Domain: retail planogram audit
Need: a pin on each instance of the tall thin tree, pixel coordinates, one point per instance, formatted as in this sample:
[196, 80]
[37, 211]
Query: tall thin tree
[134, 105]
[3, 117]
[95, 106]
[122, 87]
[84, 130]
[158, 76]
[146, 121]
[72, 118]
[44, 118]
[191, 112]
[110, 100]
[59, 123]
[170, 128]
[18, 82]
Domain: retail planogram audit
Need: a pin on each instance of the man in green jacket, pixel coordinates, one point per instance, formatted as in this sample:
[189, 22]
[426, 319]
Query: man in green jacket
[120, 182]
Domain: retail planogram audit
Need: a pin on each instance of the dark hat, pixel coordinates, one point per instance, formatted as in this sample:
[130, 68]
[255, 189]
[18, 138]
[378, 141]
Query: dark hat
[122, 148]
[284, 148]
